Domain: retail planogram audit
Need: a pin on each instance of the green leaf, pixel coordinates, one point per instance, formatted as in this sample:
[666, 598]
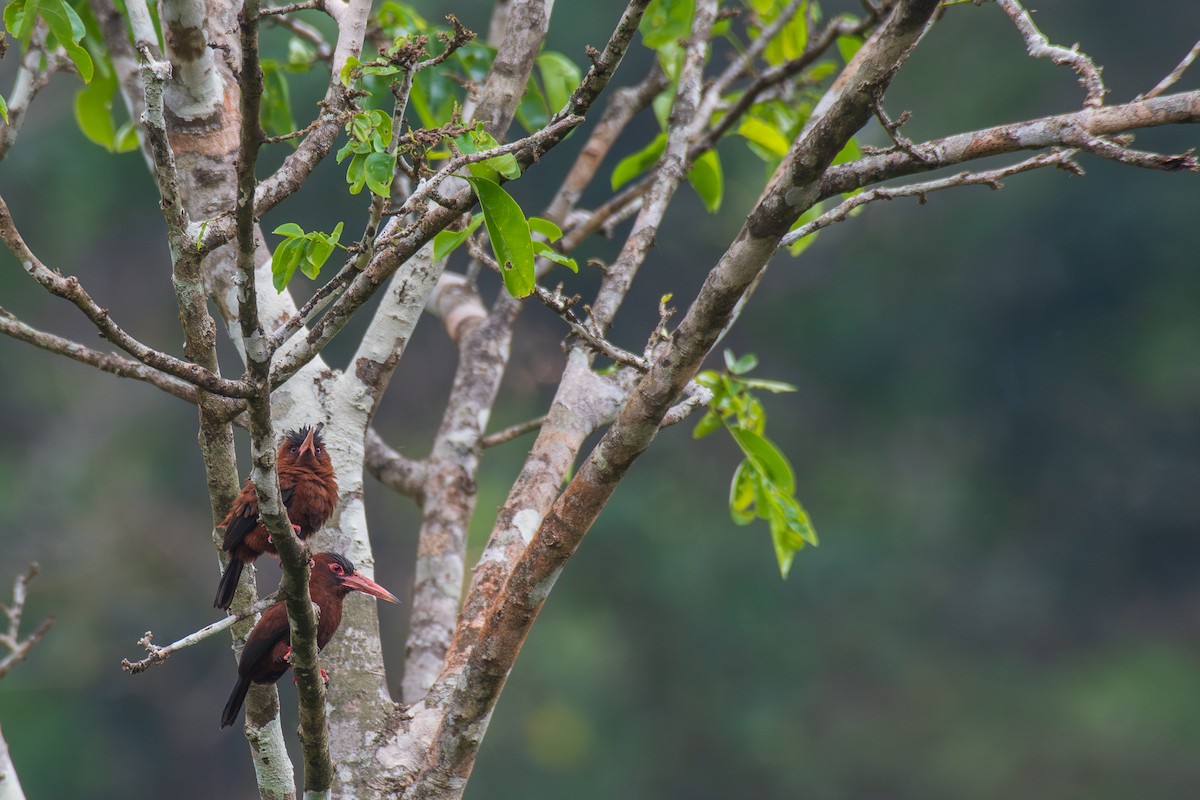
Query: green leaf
[775, 387]
[546, 228]
[665, 21]
[546, 251]
[126, 137]
[631, 166]
[284, 260]
[445, 242]
[766, 458]
[509, 234]
[348, 69]
[739, 366]
[19, 16]
[764, 135]
[708, 423]
[3, 110]
[477, 141]
[301, 55]
[320, 247]
[275, 111]
[67, 27]
[356, 174]
[743, 490]
[289, 229]
[706, 178]
[93, 111]
[378, 170]
[560, 76]
[848, 46]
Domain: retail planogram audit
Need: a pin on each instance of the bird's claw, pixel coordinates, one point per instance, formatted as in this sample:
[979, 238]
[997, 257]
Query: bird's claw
[324, 678]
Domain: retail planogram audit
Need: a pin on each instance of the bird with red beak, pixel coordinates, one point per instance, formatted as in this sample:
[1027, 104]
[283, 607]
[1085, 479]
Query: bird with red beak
[309, 491]
[268, 647]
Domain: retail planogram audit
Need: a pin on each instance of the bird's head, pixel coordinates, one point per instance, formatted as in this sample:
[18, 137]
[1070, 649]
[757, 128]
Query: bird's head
[303, 445]
[334, 572]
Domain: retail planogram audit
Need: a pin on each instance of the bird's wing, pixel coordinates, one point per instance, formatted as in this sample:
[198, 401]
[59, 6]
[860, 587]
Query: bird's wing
[271, 629]
[242, 518]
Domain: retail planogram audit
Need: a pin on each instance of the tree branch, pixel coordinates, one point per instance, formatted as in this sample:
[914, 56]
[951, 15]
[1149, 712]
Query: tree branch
[70, 289]
[1174, 75]
[1063, 130]
[17, 647]
[989, 178]
[1039, 47]
[158, 654]
[473, 691]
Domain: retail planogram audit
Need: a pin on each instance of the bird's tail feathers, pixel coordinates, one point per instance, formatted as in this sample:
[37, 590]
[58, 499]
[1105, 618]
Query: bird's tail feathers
[228, 584]
[234, 704]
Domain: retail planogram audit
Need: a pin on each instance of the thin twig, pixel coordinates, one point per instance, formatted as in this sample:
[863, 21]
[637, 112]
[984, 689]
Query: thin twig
[530, 142]
[990, 178]
[69, 288]
[1175, 74]
[291, 7]
[1039, 46]
[512, 432]
[892, 127]
[697, 397]
[160, 654]
[19, 648]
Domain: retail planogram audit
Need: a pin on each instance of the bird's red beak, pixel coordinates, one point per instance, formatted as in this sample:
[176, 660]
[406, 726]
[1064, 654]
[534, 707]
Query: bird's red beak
[307, 446]
[361, 583]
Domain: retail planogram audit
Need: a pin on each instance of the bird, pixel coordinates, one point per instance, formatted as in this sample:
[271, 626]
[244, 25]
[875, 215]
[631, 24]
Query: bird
[309, 492]
[268, 647]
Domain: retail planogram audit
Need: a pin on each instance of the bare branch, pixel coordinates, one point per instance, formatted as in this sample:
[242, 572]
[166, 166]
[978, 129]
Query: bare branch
[70, 289]
[108, 362]
[32, 77]
[17, 647]
[902, 142]
[670, 172]
[474, 686]
[1173, 77]
[1039, 47]
[696, 397]
[400, 474]
[989, 178]
[622, 106]
[523, 34]
[160, 654]
[292, 7]
[587, 330]
[1116, 151]
[512, 432]
[1063, 130]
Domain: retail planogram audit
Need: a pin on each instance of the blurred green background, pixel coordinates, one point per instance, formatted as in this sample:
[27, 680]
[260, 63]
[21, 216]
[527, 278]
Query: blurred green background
[996, 433]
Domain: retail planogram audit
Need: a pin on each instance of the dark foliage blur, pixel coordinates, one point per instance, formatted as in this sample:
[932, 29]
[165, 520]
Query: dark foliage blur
[996, 433]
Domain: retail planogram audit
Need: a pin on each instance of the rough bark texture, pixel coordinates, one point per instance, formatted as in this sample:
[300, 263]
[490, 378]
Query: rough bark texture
[201, 136]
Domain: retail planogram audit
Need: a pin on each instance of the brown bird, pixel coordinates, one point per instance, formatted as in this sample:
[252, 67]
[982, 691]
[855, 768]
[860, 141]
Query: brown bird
[309, 491]
[268, 647]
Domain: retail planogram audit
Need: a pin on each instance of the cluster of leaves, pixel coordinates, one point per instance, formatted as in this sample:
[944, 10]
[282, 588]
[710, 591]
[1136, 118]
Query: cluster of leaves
[510, 232]
[764, 484]
[307, 251]
[372, 155]
[75, 30]
[769, 125]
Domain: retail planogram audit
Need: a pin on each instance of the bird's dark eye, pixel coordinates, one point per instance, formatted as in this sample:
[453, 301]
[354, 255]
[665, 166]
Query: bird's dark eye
[337, 569]
[293, 450]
